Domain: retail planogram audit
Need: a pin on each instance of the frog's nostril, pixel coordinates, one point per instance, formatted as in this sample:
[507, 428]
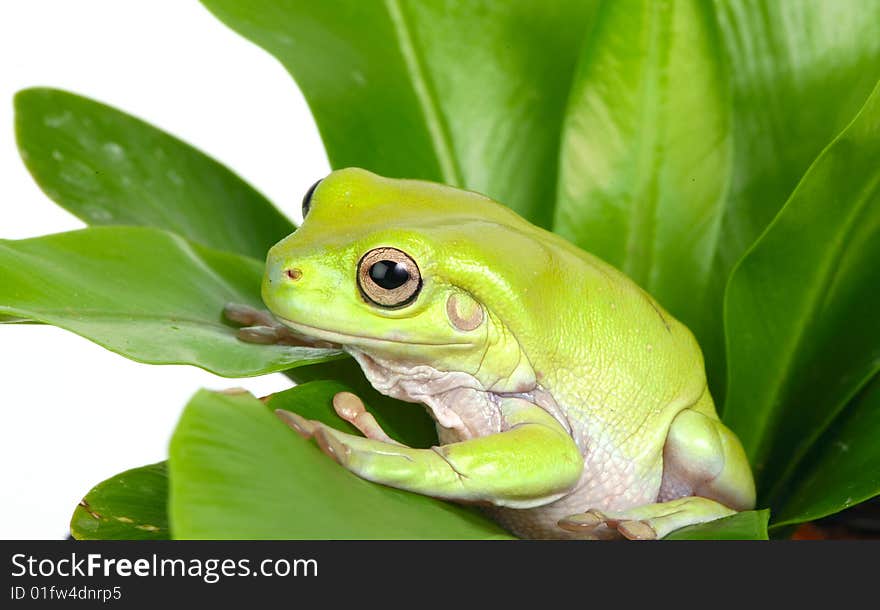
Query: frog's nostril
[293, 273]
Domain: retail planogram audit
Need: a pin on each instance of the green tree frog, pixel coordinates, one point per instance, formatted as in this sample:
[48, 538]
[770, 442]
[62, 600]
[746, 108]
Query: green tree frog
[568, 403]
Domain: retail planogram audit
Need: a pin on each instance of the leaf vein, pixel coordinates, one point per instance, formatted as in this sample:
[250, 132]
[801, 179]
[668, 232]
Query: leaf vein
[434, 121]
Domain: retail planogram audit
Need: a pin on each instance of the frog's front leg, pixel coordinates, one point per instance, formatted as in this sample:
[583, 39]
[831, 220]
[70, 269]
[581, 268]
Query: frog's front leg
[261, 327]
[533, 462]
[704, 462]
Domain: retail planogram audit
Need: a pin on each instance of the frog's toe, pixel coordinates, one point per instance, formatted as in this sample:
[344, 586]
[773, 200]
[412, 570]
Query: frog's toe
[582, 522]
[331, 445]
[590, 525]
[597, 524]
[247, 315]
[262, 335]
[351, 408]
[258, 325]
[630, 526]
[636, 530]
[261, 327]
[299, 424]
[326, 438]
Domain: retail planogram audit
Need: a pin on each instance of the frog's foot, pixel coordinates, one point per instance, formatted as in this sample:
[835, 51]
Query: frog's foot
[599, 525]
[648, 522]
[260, 326]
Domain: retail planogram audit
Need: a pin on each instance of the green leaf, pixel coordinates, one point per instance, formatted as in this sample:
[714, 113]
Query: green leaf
[843, 469]
[649, 123]
[129, 506]
[467, 93]
[107, 167]
[148, 295]
[748, 525]
[646, 150]
[799, 73]
[801, 307]
[15, 320]
[404, 421]
[239, 472]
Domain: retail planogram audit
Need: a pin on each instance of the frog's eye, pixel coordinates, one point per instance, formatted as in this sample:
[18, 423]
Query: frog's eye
[307, 198]
[389, 277]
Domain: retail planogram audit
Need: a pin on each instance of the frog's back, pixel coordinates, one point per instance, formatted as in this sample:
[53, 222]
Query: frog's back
[618, 366]
[592, 334]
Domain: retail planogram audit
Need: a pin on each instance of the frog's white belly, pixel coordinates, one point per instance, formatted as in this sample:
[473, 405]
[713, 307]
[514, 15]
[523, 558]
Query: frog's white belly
[463, 409]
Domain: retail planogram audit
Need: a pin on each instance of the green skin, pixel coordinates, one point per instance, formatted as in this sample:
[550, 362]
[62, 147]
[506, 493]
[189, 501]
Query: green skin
[567, 401]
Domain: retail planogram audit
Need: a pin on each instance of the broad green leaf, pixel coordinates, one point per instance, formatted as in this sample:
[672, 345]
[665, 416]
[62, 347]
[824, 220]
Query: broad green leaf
[799, 71]
[107, 167]
[133, 505]
[801, 307]
[748, 525]
[844, 467]
[148, 295]
[470, 93]
[404, 421]
[129, 506]
[646, 150]
[238, 472]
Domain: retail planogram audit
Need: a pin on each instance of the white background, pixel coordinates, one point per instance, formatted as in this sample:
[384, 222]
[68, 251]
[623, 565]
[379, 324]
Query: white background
[72, 413]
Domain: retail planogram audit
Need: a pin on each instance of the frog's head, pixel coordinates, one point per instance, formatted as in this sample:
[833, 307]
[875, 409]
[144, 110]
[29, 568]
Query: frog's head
[409, 275]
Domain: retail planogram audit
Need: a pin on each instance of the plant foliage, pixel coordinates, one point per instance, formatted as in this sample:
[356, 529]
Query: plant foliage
[724, 154]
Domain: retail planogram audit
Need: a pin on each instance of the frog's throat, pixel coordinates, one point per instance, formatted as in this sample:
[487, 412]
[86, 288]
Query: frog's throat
[457, 401]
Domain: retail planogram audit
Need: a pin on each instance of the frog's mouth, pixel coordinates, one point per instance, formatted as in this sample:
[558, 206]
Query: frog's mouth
[340, 339]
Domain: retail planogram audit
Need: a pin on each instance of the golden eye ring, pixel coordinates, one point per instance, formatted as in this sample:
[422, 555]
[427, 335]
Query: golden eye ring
[388, 277]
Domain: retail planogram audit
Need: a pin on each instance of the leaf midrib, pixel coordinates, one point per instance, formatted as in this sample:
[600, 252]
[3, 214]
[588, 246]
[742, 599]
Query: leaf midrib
[641, 235]
[438, 130]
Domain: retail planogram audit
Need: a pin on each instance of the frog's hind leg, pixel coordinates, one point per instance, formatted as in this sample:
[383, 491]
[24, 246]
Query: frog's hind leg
[705, 477]
[702, 457]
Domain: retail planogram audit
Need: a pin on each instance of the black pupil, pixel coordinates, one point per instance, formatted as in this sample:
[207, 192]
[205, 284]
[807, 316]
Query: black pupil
[389, 275]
